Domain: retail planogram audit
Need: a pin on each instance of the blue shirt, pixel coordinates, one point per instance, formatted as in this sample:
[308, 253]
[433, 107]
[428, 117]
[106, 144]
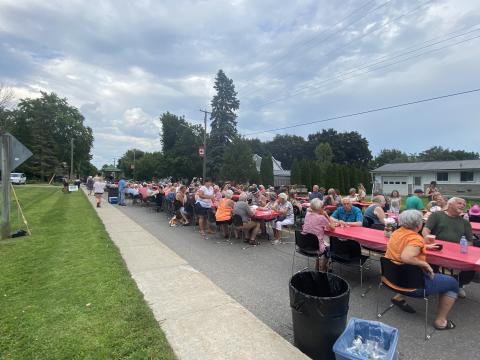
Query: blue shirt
[353, 215]
[121, 185]
[315, 194]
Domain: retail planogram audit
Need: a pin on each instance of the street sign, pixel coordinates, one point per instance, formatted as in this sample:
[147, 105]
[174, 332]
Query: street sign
[201, 151]
[18, 153]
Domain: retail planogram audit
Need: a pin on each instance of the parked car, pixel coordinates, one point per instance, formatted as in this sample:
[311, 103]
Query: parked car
[18, 178]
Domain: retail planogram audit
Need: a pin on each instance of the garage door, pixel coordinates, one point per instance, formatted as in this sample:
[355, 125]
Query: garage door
[390, 183]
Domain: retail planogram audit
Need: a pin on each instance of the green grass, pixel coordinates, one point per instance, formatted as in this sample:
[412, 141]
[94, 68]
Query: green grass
[65, 292]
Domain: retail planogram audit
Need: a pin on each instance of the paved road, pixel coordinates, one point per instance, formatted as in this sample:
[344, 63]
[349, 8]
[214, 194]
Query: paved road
[257, 277]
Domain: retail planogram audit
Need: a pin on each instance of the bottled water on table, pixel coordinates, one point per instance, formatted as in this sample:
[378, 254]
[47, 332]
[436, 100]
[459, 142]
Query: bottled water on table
[369, 349]
[463, 245]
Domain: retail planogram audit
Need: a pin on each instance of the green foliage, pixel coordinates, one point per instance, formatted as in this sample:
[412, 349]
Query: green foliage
[238, 163]
[150, 166]
[224, 124]
[286, 148]
[438, 153]
[128, 162]
[296, 173]
[324, 153]
[66, 292]
[388, 156]
[266, 170]
[46, 126]
[349, 148]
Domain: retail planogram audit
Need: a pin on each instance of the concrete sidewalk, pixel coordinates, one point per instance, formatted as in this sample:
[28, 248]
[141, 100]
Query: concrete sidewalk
[199, 319]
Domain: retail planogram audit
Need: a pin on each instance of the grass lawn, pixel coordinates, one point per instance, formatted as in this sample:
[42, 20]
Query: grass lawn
[65, 292]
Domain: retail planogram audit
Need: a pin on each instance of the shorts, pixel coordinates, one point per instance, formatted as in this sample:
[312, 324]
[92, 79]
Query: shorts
[200, 210]
[224, 222]
[99, 194]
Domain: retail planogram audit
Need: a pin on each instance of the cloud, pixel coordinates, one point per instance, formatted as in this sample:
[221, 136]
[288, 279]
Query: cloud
[125, 63]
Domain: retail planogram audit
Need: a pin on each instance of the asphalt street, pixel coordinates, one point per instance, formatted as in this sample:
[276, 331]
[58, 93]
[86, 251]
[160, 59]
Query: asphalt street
[258, 277]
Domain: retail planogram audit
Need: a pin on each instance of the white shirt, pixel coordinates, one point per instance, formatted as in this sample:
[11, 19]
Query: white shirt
[206, 203]
[98, 187]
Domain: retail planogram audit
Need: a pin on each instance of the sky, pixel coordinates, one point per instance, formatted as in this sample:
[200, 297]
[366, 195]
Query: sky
[124, 63]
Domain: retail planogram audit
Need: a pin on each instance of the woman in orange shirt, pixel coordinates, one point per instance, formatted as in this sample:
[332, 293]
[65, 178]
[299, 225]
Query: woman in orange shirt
[223, 216]
[407, 246]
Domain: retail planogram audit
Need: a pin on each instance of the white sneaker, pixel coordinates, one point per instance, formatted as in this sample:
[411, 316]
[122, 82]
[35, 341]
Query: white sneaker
[461, 293]
[276, 242]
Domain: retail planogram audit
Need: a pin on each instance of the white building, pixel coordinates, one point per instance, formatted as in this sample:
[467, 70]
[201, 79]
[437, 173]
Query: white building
[459, 177]
[280, 177]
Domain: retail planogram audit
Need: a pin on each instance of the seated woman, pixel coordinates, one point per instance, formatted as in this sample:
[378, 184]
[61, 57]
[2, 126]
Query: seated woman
[179, 206]
[406, 246]
[249, 226]
[431, 208]
[374, 214]
[352, 195]
[474, 213]
[316, 221]
[361, 192]
[223, 215]
[395, 201]
[286, 217]
[332, 198]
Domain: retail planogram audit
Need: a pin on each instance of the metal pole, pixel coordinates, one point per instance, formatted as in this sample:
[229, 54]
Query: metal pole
[133, 164]
[204, 175]
[6, 149]
[71, 159]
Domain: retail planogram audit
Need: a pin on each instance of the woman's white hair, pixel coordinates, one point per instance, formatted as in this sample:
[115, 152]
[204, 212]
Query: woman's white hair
[228, 194]
[243, 197]
[283, 196]
[410, 219]
[316, 204]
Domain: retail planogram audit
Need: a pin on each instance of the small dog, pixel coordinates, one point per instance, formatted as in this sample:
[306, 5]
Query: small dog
[173, 221]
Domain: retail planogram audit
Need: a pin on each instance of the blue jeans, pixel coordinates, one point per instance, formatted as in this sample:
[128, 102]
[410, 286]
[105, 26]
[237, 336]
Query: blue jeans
[121, 198]
[440, 284]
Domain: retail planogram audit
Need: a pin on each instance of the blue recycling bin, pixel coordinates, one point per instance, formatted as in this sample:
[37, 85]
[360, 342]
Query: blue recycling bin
[368, 330]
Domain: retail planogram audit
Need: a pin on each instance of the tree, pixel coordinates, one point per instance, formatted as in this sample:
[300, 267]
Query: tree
[286, 148]
[389, 156]
[224, 124]
[150, 166]
[257, 147]
[50, 122]
[296, 173]
[266, 170]
[323, 153]
[349, 148]
[238, 163]
[438, 153]
[126, 163]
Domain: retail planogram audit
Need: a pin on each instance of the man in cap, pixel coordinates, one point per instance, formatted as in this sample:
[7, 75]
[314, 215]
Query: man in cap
[415, 202]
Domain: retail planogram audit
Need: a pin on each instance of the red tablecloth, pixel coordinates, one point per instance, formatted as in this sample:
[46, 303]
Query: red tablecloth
[330, 208]
[266, 215]
[302, 198]
[362, 204]
[235, 197]
[449, 257]
[306, 205]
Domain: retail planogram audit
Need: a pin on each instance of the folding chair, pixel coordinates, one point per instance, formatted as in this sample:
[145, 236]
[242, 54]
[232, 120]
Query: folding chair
[306, 245]
[348, 253]
[403, 276]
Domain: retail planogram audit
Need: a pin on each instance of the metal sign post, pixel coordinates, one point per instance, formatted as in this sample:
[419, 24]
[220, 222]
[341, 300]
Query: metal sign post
[13, 154]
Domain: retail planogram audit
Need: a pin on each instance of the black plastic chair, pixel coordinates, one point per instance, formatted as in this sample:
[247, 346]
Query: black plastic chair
[306, 245]
[348, 253]
[403, 276]
[237, 223]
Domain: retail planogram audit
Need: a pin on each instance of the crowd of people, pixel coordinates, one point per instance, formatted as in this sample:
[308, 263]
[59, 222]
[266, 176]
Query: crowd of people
[216, 207]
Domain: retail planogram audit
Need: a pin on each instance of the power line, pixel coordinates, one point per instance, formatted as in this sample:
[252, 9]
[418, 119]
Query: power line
[367, 111]
[340, 77]
[372, 30]
[283, 57]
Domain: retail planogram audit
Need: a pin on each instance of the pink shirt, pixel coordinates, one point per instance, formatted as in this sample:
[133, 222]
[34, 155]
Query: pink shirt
[315, 224]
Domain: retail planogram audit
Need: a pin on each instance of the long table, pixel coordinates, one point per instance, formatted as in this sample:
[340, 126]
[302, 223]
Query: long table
[449, 257]
[475, 227]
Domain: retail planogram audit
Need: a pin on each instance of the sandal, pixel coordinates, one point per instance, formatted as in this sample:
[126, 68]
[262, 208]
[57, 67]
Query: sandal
[448, 326]
[402, 304]
[202, 233]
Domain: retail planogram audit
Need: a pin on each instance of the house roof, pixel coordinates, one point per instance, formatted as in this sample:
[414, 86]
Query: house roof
[430, 166]
[277, 166]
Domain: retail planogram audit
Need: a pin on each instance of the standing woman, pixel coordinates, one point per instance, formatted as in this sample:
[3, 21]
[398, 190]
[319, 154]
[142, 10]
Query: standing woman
[90, 185]
[203, 205]
[395, 201]
[99, 189]
[361, 192]
[431, 190]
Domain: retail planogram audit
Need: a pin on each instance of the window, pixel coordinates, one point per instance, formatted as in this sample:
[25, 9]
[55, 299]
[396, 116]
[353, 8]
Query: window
[417, 181]
[442, 176]
[466, 176]
[404, 183]
[385, 182]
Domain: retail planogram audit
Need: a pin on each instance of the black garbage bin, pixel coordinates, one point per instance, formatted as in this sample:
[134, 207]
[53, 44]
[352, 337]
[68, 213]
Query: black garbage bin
[319, 303]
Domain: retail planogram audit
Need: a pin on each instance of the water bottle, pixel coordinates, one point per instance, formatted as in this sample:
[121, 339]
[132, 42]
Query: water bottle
[463, 245]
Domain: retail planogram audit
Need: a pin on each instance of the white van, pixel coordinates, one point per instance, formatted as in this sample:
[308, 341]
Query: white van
[18, 178]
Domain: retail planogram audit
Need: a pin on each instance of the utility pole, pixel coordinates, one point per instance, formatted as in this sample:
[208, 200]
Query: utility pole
[71, 159]
[205, 144]
[133, 164]
[6, 154]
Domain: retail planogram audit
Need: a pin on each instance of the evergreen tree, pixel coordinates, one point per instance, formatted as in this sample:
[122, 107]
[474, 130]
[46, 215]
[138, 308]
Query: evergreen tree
[306, 173]
[296, 173]
[224, 123]
[238, 163]
[266, 170]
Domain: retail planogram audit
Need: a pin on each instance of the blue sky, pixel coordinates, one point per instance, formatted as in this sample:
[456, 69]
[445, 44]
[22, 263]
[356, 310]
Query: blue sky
[124, 63]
